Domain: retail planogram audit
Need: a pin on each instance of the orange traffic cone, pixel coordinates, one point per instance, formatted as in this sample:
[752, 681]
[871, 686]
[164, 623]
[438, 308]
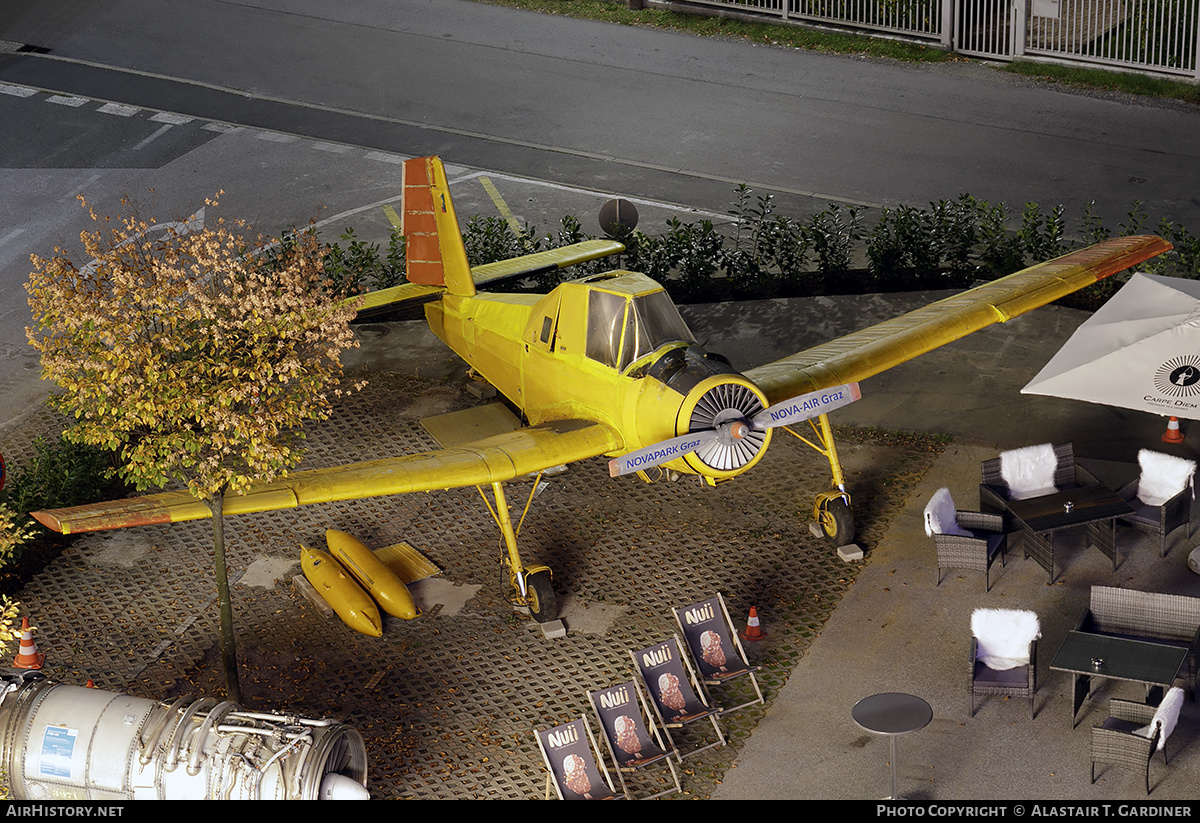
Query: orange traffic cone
[91, 684]
[28, 656]
[753, 630]
[1172, 434]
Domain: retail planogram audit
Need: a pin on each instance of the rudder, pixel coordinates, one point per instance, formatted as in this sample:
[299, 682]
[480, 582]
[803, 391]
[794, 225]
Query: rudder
[434, 250]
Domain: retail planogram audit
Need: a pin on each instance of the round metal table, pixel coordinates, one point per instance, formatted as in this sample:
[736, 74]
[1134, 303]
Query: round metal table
[893, 714]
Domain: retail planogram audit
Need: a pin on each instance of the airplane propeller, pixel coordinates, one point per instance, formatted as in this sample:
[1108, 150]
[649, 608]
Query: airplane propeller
[728, 438]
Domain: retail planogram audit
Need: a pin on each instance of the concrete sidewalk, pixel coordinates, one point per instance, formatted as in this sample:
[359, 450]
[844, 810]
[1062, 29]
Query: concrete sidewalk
[897, 631]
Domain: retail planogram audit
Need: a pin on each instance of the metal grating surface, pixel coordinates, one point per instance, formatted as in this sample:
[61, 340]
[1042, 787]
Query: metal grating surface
[447, 703]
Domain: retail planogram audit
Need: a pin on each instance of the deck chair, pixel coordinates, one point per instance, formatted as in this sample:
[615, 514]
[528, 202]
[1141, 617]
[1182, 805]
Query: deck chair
[569, 752]
[715, 648]
[670, 681]
[632, 746]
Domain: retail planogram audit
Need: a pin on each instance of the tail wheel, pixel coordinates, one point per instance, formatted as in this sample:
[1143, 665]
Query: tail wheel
[543, 606]
[837, 521]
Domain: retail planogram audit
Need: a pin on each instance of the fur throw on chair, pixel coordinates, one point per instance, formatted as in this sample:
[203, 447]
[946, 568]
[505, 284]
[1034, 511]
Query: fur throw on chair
[1167, 714]
[1163, 476]
[1029, 472]
[1003, 636]
[940, 515]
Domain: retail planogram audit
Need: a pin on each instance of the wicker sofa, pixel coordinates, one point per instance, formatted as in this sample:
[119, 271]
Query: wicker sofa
[994, 494]
[1159, 618]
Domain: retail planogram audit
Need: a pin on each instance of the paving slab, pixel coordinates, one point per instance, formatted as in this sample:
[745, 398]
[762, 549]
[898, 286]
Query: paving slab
[448, 702]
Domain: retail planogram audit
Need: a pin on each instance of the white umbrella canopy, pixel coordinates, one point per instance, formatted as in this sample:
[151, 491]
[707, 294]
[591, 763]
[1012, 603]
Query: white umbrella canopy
[1140, 350]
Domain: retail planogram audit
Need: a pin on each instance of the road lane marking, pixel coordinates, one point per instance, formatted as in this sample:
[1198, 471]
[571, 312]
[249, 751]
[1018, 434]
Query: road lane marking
[501, 206]
[161, 131]
[118, 109]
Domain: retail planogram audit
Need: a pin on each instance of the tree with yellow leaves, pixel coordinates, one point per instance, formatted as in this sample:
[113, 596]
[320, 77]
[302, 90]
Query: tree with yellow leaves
[12, 534]
[195, 352]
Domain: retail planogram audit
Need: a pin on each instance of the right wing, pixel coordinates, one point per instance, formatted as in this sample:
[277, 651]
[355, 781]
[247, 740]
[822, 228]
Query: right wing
[868, 352]
[493, 459]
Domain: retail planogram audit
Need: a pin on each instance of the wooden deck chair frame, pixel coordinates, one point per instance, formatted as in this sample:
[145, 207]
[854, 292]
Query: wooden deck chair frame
[682, 616]
[651, 728]
[593, 751]
[709, 712]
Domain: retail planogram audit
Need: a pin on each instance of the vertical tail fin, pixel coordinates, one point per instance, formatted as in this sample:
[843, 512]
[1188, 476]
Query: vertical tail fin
[434, 251]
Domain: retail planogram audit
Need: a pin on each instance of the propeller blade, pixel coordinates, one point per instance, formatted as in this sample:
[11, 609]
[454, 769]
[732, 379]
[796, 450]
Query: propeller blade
[661, 452]
[806, 406]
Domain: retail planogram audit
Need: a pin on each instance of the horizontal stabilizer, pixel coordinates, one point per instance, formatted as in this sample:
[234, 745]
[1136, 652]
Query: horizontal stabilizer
[544, 261]
[377, 304]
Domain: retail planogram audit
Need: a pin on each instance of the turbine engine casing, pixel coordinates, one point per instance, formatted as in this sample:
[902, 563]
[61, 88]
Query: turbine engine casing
[700, 392]
[726, 403]
[60, 742]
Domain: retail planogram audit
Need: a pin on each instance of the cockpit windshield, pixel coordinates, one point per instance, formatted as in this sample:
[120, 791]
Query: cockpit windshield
[648, 321]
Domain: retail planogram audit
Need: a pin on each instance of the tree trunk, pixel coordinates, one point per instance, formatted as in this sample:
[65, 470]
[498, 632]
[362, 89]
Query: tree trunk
[233, 690]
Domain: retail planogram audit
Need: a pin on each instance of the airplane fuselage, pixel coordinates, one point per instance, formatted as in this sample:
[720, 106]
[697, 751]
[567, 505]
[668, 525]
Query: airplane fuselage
[610, 349]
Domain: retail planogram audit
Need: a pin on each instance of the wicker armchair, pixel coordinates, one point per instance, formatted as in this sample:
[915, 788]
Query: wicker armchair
[1004, 654]
[994, 490]
[1133, 732]
[1161, 496]
[964, 540]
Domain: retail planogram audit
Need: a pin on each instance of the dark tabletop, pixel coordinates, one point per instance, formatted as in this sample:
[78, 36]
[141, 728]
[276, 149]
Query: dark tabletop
[1088, 504]
[892, 713]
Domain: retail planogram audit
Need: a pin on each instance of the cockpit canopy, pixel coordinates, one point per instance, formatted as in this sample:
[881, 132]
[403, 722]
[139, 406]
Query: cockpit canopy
[623, 328]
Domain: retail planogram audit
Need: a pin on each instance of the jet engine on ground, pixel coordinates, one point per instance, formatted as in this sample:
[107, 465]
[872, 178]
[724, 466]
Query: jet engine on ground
[60, 742]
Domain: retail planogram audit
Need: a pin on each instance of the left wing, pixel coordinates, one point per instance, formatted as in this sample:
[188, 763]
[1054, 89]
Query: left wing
[862, 354]
[494, 459]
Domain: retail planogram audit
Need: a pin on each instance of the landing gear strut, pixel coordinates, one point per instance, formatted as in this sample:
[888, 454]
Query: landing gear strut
[832, 508]
[530, 585]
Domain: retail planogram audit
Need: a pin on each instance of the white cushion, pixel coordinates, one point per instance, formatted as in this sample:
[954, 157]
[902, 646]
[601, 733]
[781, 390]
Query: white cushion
[1003, 636]
[1163, 476]
[941, 516]
[1029, 472]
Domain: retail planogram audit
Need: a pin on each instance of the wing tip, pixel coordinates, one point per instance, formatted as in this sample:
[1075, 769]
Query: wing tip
[47, 519]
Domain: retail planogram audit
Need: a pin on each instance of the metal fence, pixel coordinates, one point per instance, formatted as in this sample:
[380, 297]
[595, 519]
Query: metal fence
[1151, 36]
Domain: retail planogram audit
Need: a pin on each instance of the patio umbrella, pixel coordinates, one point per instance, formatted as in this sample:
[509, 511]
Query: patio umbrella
[1140, 350]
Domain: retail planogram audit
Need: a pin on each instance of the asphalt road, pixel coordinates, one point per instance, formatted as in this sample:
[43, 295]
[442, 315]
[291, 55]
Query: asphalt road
[641, 111]
[130, 97]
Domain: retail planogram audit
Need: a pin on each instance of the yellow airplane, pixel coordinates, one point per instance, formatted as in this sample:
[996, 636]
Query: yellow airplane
[605, 365]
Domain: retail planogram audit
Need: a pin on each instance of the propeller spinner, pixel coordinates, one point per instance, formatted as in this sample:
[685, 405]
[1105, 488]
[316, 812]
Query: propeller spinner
[729, 425]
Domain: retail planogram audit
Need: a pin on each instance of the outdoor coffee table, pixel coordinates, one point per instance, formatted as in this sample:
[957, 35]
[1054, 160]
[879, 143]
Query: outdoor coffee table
[892, 714]
[1087, 655]
[1095, 507]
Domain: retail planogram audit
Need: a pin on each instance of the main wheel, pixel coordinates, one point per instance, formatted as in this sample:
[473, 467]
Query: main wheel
[837, 522]
[543, 606]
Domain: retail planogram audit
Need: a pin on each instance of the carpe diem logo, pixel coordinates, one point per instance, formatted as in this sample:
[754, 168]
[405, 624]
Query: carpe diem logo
[1179, 376]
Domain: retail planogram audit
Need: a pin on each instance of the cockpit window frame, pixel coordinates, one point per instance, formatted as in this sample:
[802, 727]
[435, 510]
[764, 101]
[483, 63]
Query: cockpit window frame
[648, 322]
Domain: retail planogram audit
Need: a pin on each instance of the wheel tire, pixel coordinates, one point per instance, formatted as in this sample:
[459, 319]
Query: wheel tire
[837, 522]
[543, 606]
